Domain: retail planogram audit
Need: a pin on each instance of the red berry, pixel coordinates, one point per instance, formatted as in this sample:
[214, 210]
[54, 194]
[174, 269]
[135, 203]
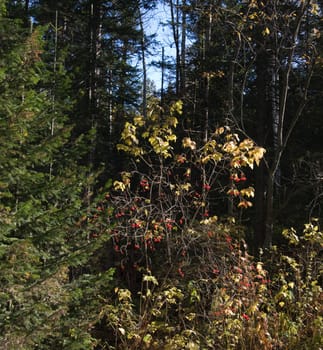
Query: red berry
[246, 317]
[207, 187]
[180, 272]
[181, 159]
[169, 226]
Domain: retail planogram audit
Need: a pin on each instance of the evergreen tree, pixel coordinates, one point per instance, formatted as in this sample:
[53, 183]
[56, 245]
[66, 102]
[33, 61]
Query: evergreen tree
[99, 43]
[48, 297]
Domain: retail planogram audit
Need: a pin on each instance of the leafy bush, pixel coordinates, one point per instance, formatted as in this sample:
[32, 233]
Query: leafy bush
[188, 281]
[222, 298]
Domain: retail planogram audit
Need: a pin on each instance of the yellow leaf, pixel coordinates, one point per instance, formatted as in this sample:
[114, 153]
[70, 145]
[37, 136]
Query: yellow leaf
[244, 204]
[205, 159]
[139, 120]
[209, 220]
[149, 278]
[118, 185]
[246, 144]
[253, 307]
[186, 186]
[126, 176]
[172, 121]
[176, 107]
[229, 147]
[258, 154]
[315, 9]
[188, 143]
[219, 131]
[248, 192]
[172, 137]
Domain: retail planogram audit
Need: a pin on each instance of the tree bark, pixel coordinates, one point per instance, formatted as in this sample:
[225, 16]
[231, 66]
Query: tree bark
[272, 103]
[144, 67]
[174, 13]
[261, 122]
[183, 52]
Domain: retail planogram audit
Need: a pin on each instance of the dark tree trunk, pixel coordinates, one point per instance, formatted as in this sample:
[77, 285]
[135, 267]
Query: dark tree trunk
[261, 126]
[174, 22]
[144, 68]
[183, 52]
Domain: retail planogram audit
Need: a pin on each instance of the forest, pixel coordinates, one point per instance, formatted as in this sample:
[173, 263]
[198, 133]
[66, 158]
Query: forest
[177, 212]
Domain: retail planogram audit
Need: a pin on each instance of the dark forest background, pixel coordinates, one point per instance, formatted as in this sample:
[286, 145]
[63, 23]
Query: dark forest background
[186, 217]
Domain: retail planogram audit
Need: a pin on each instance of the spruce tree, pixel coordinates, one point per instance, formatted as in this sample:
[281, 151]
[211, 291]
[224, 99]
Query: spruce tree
[49, 280]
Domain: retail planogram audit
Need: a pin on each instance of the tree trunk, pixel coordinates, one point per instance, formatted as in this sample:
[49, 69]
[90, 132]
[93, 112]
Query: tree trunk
[261, 122]
[273, 178]
[162, 93]
[93, 76]
[174, 23]
[183, 52]
[208, 39]
[271, 105]
[144, 67]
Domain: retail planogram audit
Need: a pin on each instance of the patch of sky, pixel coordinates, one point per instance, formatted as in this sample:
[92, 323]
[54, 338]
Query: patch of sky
[157, 24]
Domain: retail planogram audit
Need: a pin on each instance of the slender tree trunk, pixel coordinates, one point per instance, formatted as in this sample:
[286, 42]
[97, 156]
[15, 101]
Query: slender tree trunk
[93, 76]
[274, 108]
[174, 13]
[110, 102]
[206, 109]
[26, 5]
[27, 12]
[183, 52]
[52, 126]
[208, 38]
[162, 77]
[230, 114]
[261, 125]
[273, 177]
[144, 67]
